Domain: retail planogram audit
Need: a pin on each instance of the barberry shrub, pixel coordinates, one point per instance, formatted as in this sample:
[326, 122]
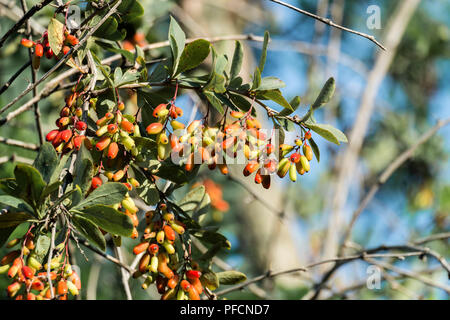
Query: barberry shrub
[100, 158]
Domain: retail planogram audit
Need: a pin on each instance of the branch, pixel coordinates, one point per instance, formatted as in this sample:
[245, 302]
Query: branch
[17, 143]
[25, 17]
[65, 58]
[409, 274]
[123, 271]
[402, 158]
[14, 76]
[329, 22]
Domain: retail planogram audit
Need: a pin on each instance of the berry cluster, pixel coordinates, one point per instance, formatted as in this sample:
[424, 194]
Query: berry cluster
[70, 132]
[160, 263]
[31, 279]
[42, 47]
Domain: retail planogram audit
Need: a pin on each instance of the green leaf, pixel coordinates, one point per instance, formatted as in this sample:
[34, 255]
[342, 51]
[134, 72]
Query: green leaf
[130, 10]
[46, 161]
[212, 237]
[214, 101]
[216, 83]
[270, 83]
[15, 203]
[256, 79]
[29, 184]
[55, 35]
[295, 103]
[315, 149]
[193, 54]
[84, 171]
[328, 132]
[109, 193]
[89, 230]
[195, 202]
[49, 189]
[109, 219]
[129, 76]
[325, 94]
[148, 192]
[262, 60]
[276, 96]
[61, 165]
[175, 173]
[113, 47]
[42, 247]
[177, 40]
[236, 64]
[9, 186]
[231, 277]
[240, 102]
[13, 219]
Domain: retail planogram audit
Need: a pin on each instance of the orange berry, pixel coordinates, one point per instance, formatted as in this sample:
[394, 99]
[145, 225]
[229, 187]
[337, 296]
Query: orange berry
[154, 128]
[113, 150]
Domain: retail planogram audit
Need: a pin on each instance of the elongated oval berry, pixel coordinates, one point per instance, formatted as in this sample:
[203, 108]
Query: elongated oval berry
[28, 272]
[308, 135]
[185, 285]
[307, 151]
[75, 278]
[160, 110]
[39, 50]
[223, 168]
[113, 150]
[295, 157]
[176, 125]
[144, 262]
[48, 53]
[27, 43]
[62, 287]
[236, 114]
[193, 126]
[179, 111]
[81, 126]
[305, 163]
[103, 143]
[162, 138]
[127, 126]
[193, 274]
[293, 172]
[251, 167]
[283, 167]
[72, 288]
[96, 182]
[154, 128]
[66, 135]
[51, 135]
[71, 39]
[266, 181]
[141, 247]
[63, 121]
[169, 233]
[77, 141]
[258, 177]
[153, 248]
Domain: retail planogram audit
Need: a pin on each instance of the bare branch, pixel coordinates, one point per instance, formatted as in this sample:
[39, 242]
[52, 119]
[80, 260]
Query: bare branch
[394, 165]
[330, 23]
[17, 143]
[25, 17]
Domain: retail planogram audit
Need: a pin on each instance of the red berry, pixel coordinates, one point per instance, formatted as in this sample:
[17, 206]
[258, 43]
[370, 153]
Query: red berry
[51, 135]
[193, 274]
[96, 182]
[27, 43]
[39, 50]
[81, 126]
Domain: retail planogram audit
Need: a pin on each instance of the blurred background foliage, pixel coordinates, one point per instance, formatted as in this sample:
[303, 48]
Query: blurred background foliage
[414, 94]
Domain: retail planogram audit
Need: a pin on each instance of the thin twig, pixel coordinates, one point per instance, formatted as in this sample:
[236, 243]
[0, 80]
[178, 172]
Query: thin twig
[25, 17]
[17, 143]
[329, 22]
[394, 165]
[14, 76]
[65, 58]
